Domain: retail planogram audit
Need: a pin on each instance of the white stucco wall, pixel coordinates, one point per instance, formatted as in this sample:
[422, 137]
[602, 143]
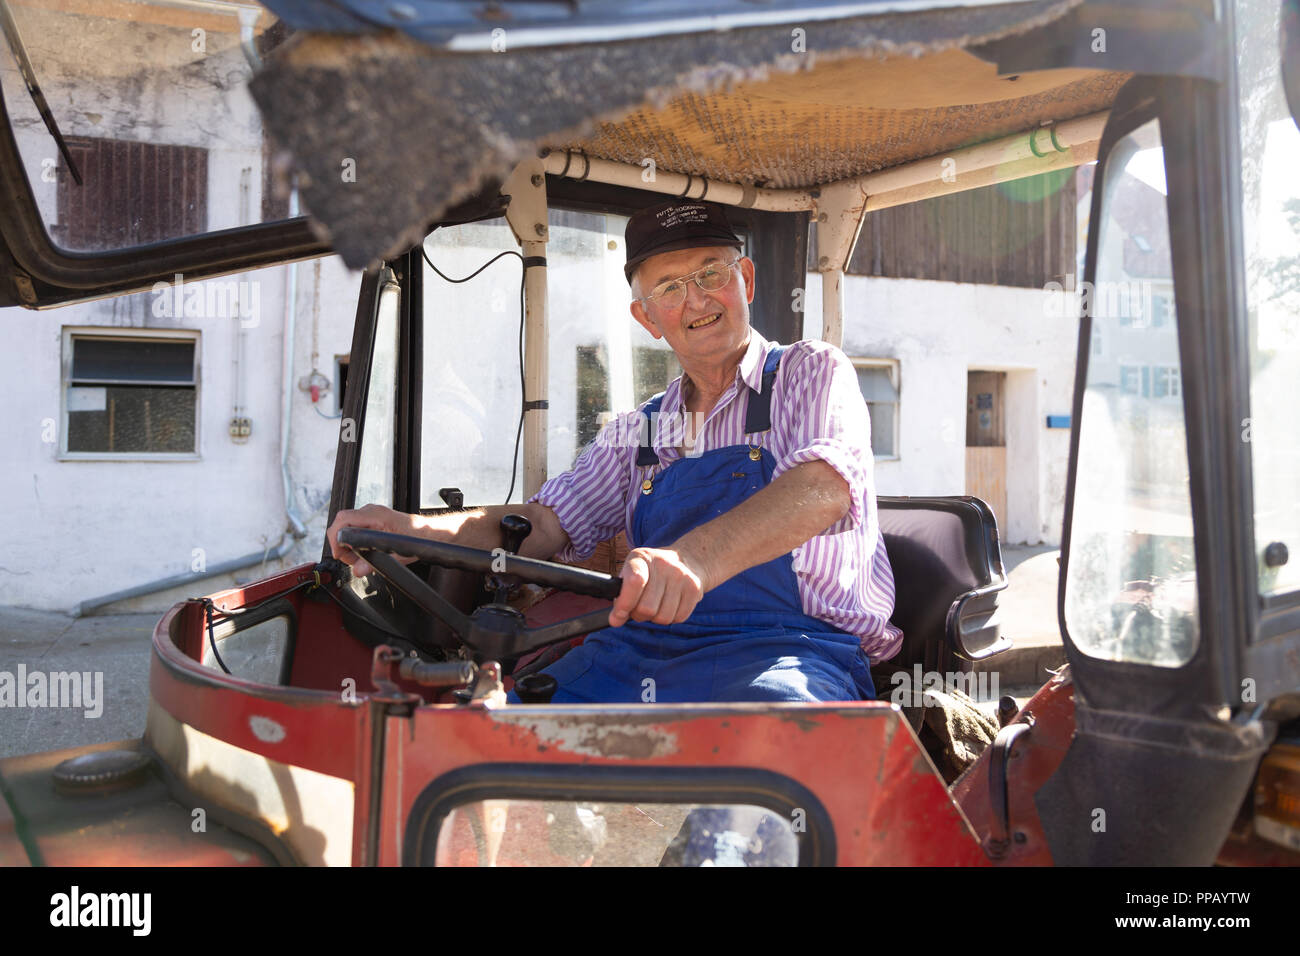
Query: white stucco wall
[77, 530]
[938, 331]
[80, 529]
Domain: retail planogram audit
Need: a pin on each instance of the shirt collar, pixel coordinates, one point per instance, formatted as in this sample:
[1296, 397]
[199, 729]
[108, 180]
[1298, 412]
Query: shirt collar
[750, 369]
[751, 366]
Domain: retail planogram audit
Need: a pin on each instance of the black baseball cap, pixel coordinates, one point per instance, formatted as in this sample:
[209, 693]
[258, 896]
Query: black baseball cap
[670, 226]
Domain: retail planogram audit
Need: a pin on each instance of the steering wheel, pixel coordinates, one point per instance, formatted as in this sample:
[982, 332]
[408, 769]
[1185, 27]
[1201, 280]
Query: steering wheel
[494, 631]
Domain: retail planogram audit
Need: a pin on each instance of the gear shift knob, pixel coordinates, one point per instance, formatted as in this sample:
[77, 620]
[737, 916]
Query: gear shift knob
[514, 528]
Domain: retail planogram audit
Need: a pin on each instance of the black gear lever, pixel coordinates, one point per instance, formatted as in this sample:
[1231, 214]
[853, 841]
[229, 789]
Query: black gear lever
[514, 529]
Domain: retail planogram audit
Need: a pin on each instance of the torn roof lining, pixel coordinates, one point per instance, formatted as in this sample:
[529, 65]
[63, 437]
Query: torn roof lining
[466, 120]
[762, 132]
[1073, 141]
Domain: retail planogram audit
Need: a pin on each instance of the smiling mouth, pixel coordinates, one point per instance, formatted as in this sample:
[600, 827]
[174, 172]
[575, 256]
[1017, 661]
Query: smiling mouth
[705, 321]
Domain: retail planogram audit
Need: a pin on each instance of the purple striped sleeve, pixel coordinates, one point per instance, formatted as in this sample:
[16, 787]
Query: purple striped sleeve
[830, 423]
[589, 499]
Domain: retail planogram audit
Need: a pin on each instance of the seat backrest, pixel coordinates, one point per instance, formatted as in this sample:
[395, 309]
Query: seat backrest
[947, 566]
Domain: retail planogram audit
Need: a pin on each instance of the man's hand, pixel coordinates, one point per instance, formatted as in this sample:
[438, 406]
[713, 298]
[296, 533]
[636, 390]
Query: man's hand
[376, 518]
[660, 585]
[664, 584]
[478, 528]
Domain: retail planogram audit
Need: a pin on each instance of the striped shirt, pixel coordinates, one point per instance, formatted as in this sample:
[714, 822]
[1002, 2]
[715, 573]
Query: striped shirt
[818, 414]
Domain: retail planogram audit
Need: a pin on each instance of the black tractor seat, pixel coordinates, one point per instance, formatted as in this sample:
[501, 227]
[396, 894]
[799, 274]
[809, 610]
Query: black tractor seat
[948, 571]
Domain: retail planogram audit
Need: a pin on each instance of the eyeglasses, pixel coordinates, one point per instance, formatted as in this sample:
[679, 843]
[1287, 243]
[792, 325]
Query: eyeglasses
[672, 293]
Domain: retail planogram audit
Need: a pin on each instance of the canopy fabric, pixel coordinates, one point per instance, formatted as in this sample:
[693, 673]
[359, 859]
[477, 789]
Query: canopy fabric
[390, 132]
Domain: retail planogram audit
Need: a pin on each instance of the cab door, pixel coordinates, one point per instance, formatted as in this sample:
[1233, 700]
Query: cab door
[1158, 602]
[675, 784]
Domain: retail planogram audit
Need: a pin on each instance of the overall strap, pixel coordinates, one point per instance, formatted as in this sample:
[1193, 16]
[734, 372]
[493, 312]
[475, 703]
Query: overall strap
[645, 454]
[758, 415]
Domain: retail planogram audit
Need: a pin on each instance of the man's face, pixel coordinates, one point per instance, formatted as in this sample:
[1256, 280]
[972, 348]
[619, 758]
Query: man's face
[707, 326]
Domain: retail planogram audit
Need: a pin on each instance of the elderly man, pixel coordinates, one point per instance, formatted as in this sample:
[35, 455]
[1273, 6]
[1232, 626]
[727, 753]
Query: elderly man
[756, 569]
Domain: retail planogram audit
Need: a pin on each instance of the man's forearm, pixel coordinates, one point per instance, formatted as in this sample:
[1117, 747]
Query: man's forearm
[481, 528]
[800, 504]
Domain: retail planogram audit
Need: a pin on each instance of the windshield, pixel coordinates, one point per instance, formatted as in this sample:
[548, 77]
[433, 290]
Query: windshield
[1130, 588]
[568, 833]
[600, 360]
[151, 99]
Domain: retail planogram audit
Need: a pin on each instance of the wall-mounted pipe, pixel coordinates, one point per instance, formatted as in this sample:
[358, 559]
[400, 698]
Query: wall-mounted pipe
[296, 525]
[188, 577]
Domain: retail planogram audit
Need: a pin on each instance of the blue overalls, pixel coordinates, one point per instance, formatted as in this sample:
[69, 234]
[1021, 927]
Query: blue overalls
[748, 639]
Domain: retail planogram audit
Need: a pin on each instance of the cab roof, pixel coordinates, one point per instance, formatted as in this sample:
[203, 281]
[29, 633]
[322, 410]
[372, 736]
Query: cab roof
[802, 96]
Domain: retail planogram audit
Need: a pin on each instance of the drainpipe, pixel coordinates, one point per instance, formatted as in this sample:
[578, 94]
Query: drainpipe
[187, 577]
[247, 38]
[296, 525]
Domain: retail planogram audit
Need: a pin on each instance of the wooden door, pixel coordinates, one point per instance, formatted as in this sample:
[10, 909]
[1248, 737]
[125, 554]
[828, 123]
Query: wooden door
[986, 441]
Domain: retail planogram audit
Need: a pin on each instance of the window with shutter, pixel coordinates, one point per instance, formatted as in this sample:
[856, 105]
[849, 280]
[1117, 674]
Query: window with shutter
[132, 193]
[130, 393]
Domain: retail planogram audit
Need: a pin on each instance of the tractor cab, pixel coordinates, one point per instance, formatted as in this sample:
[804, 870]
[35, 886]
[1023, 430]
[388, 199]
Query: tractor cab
[476, 167]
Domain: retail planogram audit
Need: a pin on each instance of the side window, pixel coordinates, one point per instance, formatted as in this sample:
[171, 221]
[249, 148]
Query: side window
[878, 379]
[130, 395]
[375, 466]
[155, 108]
[1270, 151]
[1130, 588]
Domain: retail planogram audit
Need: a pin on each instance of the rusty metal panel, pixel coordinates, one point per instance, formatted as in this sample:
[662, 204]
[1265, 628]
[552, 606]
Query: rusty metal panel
[1034, 760]
[886, 803]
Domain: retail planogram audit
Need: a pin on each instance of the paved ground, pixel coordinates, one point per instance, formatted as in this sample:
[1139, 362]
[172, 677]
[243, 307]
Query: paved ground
[114, 647]
[117, 647]
[1027, 609]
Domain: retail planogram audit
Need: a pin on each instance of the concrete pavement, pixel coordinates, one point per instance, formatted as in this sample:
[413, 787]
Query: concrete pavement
[1027, 610]
[113, 650]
